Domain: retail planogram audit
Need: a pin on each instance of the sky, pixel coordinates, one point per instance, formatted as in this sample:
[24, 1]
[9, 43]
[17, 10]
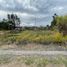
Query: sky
[31, 11]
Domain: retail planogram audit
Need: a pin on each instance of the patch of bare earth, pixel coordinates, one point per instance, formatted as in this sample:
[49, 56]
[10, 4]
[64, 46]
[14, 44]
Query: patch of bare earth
[41, 47]
[11, 46]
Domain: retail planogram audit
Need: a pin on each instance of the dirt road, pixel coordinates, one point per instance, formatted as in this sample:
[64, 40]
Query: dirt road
[26, 53]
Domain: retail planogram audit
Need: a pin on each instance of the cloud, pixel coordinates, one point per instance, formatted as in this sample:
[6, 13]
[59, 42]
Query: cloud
[58, 8]
[27, 24]
[29, 10]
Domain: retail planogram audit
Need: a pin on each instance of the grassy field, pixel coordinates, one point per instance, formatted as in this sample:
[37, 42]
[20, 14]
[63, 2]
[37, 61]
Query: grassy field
[19, 61]
[33, 40]
[29, 36]
[41, 37]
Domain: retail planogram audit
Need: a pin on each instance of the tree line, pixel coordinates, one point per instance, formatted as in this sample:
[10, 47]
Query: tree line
[13, 21]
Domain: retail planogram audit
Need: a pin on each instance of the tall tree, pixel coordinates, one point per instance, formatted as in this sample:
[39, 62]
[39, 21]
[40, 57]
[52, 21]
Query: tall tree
[13, 20]
[53, 23]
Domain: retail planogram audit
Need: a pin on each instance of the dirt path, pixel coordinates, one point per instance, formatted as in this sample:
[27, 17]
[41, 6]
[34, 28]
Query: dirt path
[26, 53]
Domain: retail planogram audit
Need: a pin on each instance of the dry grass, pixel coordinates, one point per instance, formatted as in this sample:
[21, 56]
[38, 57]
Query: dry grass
[19, 61]
[29, 36]
[33, 46]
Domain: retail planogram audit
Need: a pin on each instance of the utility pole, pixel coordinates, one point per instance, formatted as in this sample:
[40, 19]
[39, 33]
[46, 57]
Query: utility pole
[35, 21]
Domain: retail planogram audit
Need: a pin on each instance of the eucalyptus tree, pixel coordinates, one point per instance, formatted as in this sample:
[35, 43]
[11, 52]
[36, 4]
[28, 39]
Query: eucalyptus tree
[13, 20]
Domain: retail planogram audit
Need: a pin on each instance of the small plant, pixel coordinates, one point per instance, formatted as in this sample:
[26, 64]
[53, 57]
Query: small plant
[42, 62]
[29, 61]
[5, 59]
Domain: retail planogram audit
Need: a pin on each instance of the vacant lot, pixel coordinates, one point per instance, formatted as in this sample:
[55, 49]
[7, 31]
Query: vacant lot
[33, 40]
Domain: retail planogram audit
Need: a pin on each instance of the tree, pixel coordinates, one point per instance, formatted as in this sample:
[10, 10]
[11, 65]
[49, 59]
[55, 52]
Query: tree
[53, 23]
[13, 21]
[17, 21]
[60, 22]
[3, 25]
[8, 16]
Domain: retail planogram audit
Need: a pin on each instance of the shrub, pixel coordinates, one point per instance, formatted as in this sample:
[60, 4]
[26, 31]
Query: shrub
[58, 37]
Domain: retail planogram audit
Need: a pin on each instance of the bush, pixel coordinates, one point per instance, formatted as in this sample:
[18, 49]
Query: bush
[58, 38]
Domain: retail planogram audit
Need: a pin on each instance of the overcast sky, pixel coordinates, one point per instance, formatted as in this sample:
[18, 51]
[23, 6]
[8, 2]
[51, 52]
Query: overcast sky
[28, 10]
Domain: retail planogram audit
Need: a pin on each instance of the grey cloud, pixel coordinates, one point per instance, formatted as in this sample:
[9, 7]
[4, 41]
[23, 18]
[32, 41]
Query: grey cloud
[42, 10]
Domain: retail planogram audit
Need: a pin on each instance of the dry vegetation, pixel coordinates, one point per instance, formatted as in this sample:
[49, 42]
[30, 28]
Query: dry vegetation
[33, 40]
[19, 61]
[42, 37]
[29, 36]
